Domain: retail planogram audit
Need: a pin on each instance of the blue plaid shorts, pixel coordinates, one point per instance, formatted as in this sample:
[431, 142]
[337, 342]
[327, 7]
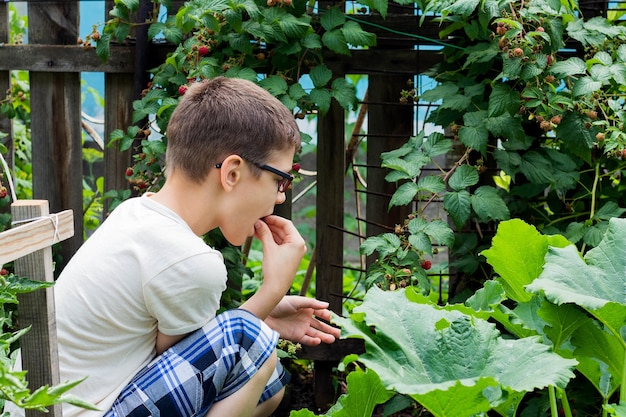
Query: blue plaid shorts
[205, 367]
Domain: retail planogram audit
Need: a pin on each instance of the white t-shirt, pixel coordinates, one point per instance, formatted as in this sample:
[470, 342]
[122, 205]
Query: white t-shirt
[142, 270]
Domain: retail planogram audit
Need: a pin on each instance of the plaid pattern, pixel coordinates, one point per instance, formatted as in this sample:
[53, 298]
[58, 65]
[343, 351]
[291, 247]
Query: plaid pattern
[205, 367]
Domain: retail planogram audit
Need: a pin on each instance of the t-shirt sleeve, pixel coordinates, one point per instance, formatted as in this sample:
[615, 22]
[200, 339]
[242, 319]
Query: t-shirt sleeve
[186, 296]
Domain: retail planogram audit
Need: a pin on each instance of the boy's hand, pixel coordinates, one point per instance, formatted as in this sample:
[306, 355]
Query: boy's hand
[283, 249]
[296, 318]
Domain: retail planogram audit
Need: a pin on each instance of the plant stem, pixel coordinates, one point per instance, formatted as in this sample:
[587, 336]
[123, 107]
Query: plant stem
[554, 412]
[565, 403]
[622, 388]
[593, 190]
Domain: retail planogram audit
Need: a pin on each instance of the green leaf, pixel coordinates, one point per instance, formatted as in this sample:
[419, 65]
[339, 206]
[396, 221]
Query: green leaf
[332, 18]
[488, 205]
[404, 194]
[321, 97]
[171, 32]
[462, 7]
[103, 47]
[294, 27]
[447, 358]
[431, 183]
[409, 169]
[599, 354]
[503, 99]
[380, 6]
[570, 67]
[344, 92]
[439, 92]
[616, 410]
[458, 206]
[336, 42]
[609, 210]
[364, 392]
[595, 283]
[311, 41]
[577, 138]
[517, 255]
[440, 232]
[356, 36]
[385, 244]
[464, 176]
[585, 86]
[436, 144]
[507, 127]
[475, 137]
[275, 84]
[320, 75]
[420, 242]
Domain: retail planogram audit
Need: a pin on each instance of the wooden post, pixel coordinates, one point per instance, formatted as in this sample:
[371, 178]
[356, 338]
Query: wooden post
[329, 240]
[56, 118]
[5, 84]
[30, 246]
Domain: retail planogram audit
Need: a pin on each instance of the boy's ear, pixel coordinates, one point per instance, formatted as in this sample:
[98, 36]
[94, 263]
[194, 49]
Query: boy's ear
[230, 171]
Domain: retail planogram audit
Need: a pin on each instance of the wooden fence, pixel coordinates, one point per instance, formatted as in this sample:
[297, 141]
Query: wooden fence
[54, 61]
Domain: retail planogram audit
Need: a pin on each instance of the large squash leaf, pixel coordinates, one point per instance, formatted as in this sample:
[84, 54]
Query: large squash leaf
[442, 358]
[517, 255]
[596, 282]
[365, 391]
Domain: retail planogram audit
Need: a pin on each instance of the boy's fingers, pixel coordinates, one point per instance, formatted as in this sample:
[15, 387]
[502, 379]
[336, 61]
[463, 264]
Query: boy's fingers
[262, 231]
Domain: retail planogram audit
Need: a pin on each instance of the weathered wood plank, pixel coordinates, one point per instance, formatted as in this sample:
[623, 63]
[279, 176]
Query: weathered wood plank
[56, 119]
[22, 240]
[329, 240]
[5, 84]
[118, 113]
[36, 309]
[63, 58]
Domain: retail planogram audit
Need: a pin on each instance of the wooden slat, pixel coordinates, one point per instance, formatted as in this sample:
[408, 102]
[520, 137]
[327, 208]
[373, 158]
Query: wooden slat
[38, 234]
[62, 58]
[118, 113]
[5, 83]
[329, 240]
[56, 119]
[36, 309]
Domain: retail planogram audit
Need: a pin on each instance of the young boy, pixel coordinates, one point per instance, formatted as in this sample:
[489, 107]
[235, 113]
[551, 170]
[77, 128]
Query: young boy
[136, 305]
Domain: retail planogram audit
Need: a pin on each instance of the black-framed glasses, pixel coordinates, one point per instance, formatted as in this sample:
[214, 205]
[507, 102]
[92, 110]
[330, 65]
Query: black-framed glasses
[285, 178]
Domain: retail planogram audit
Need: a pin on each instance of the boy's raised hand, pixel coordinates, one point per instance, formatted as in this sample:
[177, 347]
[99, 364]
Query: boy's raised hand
[283, 249]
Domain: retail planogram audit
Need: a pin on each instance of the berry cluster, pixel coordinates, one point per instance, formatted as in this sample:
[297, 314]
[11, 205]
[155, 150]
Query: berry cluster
[3, 189]
[279, 3]
[94, 36]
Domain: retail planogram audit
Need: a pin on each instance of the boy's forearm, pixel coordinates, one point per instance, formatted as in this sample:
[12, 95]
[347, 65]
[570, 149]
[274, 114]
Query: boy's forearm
[264, 300]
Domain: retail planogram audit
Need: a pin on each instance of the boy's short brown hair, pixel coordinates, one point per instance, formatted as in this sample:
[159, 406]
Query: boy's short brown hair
[227, 116]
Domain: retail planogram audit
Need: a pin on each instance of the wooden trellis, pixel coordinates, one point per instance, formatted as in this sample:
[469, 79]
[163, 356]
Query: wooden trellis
[54, 62]
[28, 244]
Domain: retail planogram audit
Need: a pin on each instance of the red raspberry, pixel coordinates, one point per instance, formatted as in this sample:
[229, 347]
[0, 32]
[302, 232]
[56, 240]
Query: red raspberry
[426, 265]
[182, 89]
[3, 191]
[295, 167]
[203, 50]
[129, 171]
[4, 272]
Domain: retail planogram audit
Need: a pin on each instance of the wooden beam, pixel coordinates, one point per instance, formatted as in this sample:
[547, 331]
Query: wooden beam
[56, 132]
[63, 58]
[6, 126]
[36, 310]
[38, 234]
